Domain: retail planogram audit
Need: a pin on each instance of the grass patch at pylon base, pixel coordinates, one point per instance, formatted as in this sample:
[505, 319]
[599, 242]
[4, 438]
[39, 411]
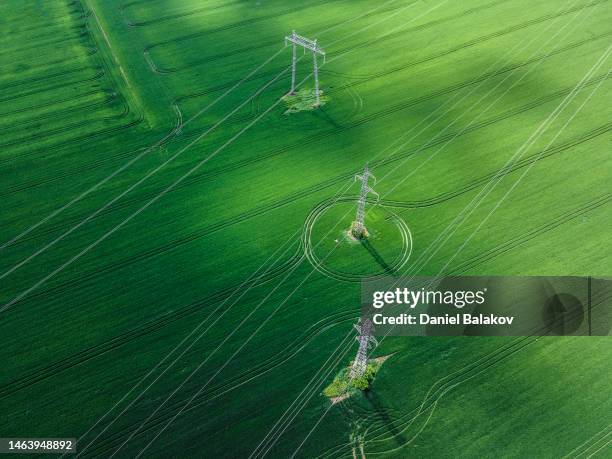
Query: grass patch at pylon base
[304, 100]
[343, 387]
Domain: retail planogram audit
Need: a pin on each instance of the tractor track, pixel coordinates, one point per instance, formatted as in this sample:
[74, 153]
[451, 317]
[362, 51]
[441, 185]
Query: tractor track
[33, 122]
[195, 307]
[520, 240]
[49, 77]
[437, 55]
[51, 133]
[370, 77]
[400, 33]
[65, 84]
[254, 372]
[10, 53]
[443, 91]
[230, 26]
[76, 10]
[390, 110]
[124, 7]
[54, 64]
[319, 265]
[51, 30]
[148, 328]
[141, 331]
[449, 382]
[106, 133]
[52, 103]
[266, 366]
[101, 73]
[254, 212]
[211, 59]
[206, 231]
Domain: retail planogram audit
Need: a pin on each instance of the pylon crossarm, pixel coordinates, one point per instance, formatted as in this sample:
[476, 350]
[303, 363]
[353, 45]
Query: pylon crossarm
[369, 176]
[305, 43]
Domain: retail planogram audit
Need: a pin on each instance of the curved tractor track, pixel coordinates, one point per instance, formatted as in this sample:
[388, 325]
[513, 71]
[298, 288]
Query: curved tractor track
[379, 431]
[69, 78]
[435, 393]
[338, 128]
[427, 202]
[212, 300]
[401, 259]
[148, 328]
[338, 179]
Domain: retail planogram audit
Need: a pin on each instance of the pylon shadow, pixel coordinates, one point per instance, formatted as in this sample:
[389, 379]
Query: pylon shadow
[388, 269]
[321, 112]
[371, 396]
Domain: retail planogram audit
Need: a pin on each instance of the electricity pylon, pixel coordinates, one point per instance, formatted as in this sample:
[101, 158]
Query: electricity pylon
[307, 44]
[358, 229]
[366, 340]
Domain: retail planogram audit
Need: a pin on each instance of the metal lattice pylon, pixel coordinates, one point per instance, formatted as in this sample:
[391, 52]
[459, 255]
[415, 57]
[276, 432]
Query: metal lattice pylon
[366, 340]
[358, 229]
[311, 45]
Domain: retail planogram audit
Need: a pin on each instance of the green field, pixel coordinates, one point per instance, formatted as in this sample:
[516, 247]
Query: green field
[175, 276]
